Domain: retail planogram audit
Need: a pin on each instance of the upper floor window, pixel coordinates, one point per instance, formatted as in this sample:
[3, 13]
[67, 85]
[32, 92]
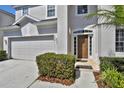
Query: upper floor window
[50, 10]
[120, 40]
[82, 9]
[25, 10]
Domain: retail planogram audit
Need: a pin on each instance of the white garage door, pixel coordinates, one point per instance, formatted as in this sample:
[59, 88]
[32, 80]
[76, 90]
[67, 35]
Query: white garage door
[28, 48]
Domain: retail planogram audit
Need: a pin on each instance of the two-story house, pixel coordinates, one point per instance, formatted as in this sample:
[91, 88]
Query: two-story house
[61, 29]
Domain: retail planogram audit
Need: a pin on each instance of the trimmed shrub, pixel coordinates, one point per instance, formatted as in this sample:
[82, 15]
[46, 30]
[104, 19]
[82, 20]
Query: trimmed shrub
[56, 65]
[3, 55]
[113, 78]
[112, 62]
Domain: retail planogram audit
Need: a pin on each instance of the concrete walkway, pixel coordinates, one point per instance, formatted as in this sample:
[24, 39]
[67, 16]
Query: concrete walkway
[84, 79]
[17, 73]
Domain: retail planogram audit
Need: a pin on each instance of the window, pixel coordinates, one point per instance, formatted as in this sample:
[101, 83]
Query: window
[90, 45]
[82, 9]
[50, 10]
[120, 40]
[75, 45]
[25, 10]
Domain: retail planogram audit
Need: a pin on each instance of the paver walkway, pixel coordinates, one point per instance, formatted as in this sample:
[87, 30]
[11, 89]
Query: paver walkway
[84, 79]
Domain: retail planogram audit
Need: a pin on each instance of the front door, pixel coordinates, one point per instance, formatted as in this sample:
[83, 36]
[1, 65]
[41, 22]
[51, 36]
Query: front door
[83, 46]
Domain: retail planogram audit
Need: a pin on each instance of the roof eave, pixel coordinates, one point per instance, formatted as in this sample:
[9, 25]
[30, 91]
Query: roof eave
[25, 16]
[9, 28]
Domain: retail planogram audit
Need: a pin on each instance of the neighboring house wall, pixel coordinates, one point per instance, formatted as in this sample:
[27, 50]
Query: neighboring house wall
[6, 19]
[1, 40]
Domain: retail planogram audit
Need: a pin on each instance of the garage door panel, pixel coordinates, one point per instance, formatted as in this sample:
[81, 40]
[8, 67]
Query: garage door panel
[30, 49]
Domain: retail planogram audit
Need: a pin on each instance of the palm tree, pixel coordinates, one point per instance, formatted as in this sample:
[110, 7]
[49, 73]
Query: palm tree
[114, 16]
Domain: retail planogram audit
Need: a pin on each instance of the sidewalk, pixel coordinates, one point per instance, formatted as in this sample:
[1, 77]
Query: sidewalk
[84, 79]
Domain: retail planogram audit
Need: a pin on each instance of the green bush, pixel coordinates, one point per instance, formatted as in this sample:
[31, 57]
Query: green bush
[56, 65]
[3, 55]
[113, 78]
[112, 62]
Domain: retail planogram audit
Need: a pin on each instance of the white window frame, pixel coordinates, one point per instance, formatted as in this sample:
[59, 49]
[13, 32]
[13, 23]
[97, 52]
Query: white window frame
[23, 10]
[76, 11]
[118, 40]
[49, 17]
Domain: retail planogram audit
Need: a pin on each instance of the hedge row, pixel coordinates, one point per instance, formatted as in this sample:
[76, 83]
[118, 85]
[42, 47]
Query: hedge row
[112, 62]
[3, 55]
[56, 65]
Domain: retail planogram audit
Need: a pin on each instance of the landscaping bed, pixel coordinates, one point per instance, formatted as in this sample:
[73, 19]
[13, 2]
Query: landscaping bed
[56, 68]
[111, 73]
[99, 82]
[56, 80]
[3, 55]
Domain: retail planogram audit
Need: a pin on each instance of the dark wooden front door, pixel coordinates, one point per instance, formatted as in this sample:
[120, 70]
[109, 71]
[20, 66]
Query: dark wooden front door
[83, 46]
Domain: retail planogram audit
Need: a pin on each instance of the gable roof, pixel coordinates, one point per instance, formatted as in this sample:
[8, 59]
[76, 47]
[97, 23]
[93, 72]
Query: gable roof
[19, 6]
[7, 13]
[21, 19]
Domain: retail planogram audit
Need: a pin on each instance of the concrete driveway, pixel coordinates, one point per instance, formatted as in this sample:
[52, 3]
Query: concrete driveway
[17, 73]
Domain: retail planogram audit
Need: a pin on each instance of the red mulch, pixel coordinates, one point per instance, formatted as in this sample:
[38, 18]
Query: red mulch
[99, 82]
[56, 80]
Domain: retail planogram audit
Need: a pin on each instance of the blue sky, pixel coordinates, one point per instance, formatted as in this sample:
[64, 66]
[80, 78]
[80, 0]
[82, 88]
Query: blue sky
[7, 8]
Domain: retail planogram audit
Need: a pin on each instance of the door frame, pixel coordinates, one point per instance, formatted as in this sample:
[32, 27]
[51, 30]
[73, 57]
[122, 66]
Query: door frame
[76, 35]
[81, 48]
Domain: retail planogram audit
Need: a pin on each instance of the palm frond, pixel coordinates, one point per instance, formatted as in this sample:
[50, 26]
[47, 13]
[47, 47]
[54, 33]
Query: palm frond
[112, 16]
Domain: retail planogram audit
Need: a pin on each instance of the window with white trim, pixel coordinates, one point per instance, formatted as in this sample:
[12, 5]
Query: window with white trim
[50, 10]
[82, 9]
[90, 48]
[119, 40]
[75, 45]
[24, 10]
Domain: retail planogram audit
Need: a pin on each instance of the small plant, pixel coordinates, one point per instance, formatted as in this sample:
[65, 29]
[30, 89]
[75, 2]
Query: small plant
[113, 78]
[3, 55]
[106, 65]
[121, 84]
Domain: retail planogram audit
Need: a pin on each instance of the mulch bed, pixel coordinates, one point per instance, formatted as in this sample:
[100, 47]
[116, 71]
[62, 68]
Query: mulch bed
[99, 82]
[56, 80]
